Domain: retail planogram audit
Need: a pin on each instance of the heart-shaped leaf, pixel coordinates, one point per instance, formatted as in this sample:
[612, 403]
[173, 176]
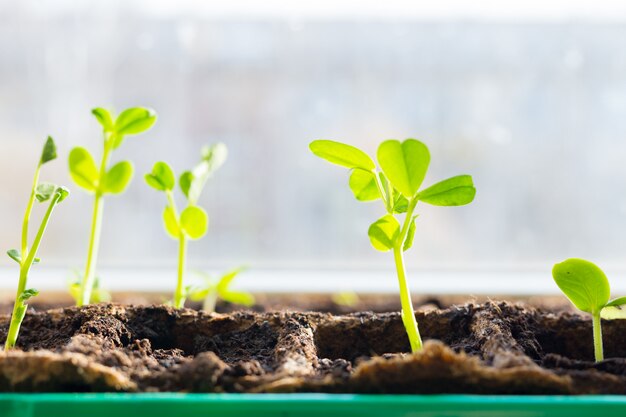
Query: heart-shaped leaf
[363, 185]
[161, 178]
[194, 222]
[405, 164]
[341, 154]
[49, 151]
[104, 118]
[455, 191]
[83, 169]
[185, 181]
[384, 233]
[117, 178]
[171, 222]
[583, 283]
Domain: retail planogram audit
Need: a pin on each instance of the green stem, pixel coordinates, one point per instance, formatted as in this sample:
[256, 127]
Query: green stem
[19, 308]
[384, 192]
[86, 285]
[597, 336]
[210, 301]
[29, 209]
[179, 294]
[408, 315]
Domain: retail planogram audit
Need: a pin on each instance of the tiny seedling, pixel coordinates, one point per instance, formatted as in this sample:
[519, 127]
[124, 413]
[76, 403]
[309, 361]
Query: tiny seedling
[27, 256]
[587, 287]
[193, 221]
[404, 166]
[346, 299]
[212, 290]
[102, 180]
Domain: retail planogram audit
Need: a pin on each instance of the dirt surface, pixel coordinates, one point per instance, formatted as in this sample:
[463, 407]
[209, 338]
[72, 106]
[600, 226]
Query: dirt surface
[495, 347]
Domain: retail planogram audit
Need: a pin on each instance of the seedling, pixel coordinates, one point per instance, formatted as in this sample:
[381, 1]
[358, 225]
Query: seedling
[587, 287]
[193, 221]
[404, 166]
[28, 256]
[102, 181]
[346, 299]
[213, 289]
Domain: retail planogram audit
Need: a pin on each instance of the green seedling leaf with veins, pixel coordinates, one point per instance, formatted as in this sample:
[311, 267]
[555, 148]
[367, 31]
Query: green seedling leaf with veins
[193, 222]
[214, 289]
[27, 256]
[398, 185]
[587, 287]
[101, 180]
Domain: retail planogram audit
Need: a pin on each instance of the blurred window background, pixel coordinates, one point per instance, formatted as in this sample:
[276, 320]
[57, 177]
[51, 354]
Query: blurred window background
[528, 97]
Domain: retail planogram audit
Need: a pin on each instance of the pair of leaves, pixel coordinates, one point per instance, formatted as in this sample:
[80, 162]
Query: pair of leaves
[131, 121]
[586, 286]
[86, 175]
[404, 166]
[222, 289]
[385, 232]
[193, 222]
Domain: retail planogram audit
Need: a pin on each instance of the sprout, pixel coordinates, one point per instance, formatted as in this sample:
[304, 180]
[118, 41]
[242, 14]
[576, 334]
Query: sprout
[587, 287]
[26, 257]
[212, 290]
[102, 180]
[193, 221]
[404, 166]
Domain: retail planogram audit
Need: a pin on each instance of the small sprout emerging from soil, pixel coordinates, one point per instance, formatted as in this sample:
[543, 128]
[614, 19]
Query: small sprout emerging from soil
[27, 256]
[193, 221]
[212, 290]
[587, 287]
[102, 180]
[404, 166]
[346, 299]
[98, 294]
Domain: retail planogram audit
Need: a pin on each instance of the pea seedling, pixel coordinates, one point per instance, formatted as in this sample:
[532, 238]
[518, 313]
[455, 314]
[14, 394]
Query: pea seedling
[193, 221]
[27, 256]
[587, 287]
[102, 181]
[404, 166]
[212, 290]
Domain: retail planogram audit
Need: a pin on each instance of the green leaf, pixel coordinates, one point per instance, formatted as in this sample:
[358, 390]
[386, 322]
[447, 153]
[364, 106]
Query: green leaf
[134, 121]
[408, 241]
[384, 233]
[341, 154]
[455, 191]
[363, 185]
[214, 155]
[401, 204]
[161, 178]
[616, 312]
[226, 280]
[171, 222]
[104, 118]
[200, 293]
[185, 181]
[44, 191]
[27, 294]
[405, 164]
[117, 178]
[83, 169]
[49, 151]
[15, 255]
[616, 302]
[238, 297]
[194, 222]
[62, 192]
[583, 283]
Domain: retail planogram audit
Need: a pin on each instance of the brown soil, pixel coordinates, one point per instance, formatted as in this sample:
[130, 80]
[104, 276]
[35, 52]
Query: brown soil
[499, 348]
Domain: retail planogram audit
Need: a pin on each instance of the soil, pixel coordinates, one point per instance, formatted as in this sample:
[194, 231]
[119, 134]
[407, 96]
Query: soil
[483, 348]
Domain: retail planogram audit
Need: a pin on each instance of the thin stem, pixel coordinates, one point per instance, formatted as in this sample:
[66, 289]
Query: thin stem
[384, 195]
[29, 209]
[86, 286]
[210, 301]
[19, 308]
[179, 295]
[408, 315]
[597, 336]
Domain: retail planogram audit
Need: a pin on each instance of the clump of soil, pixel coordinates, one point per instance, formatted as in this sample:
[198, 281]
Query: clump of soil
[497, 348]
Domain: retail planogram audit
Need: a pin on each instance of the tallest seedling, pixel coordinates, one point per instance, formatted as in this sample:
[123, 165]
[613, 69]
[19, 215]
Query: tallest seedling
[103, 180]
[404, 166]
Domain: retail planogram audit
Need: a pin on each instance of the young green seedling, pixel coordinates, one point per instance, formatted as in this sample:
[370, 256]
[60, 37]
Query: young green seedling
[101, 180]
[587, 287]
[212, 290]
[27, 256]
[193, 221]
[404, 166]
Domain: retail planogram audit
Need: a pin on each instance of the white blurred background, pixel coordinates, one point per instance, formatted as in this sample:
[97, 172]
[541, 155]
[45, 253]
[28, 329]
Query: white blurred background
[527, 96]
